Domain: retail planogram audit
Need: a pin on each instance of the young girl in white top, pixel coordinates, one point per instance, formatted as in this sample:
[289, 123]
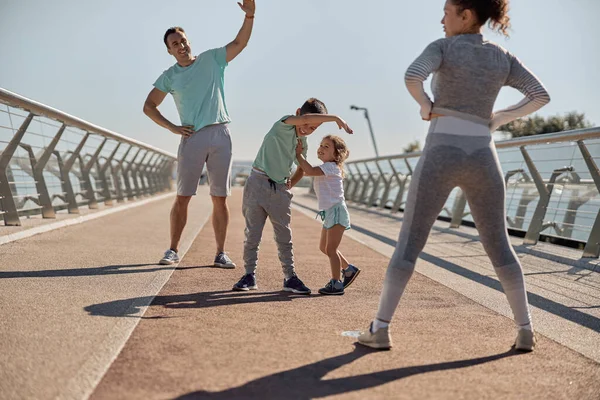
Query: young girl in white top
[328, 183]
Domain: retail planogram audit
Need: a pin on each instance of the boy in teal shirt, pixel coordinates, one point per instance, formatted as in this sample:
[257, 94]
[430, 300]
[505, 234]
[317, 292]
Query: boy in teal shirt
[267, 192]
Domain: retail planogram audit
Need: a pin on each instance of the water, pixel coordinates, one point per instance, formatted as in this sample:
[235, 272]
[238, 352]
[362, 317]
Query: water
[574, 201]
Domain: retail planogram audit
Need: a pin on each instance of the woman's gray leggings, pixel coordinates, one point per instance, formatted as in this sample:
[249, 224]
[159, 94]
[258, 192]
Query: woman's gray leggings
[457, 153]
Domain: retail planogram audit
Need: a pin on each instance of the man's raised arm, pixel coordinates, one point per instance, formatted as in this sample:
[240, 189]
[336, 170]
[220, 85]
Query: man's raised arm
[241, 40]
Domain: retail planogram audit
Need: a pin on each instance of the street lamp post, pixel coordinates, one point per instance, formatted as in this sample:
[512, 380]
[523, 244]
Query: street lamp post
[370, 126]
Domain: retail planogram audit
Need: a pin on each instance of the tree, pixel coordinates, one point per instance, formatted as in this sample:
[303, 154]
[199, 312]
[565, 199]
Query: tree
[412, 147]
[536, 125]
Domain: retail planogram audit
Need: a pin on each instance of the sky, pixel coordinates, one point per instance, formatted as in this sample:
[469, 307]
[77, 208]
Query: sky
[97, 60]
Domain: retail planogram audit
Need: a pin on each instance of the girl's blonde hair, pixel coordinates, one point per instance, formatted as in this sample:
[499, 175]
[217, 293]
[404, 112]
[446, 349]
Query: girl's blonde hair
[340, 150]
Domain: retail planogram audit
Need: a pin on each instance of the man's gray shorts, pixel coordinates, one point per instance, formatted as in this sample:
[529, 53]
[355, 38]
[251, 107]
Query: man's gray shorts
[210, 145]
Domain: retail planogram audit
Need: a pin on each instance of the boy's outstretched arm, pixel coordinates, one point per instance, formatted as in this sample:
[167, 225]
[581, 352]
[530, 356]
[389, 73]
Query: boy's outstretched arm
[296, 177]
[241, 40]
[308, 169]
[317, 119]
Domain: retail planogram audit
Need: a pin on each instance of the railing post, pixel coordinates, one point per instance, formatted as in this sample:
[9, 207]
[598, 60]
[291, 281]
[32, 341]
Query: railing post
[85, 173]
[401, 186]
[11, 215]
[43, 198]
[532, 235]
[575, 201]
[523, 202]
[38, 171]
[350, 182]
[458, 210]
[145, 172]
[117, 179]
[141, 167]
[65, 170]
[130, 194]
[365, 188]
[592, 247]
[387, 187]
[102, 173]
[167, 172]
[373, 195]
[347, 182]
[134, 166]
[545, 191]
[154, 187]
[358, 181]
[159, 174]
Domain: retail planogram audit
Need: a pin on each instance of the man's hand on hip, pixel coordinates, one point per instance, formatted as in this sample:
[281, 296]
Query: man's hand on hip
[186, 130]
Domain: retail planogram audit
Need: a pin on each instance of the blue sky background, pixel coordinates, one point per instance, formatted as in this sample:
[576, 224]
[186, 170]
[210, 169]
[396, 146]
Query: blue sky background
[98, 60]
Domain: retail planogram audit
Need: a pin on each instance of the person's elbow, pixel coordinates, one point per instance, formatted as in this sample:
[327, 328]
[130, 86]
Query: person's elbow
[545, 97]
[411, 78]
[148, 107]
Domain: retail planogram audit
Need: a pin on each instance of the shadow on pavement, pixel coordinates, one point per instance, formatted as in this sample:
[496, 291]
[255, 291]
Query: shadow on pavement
[131, 307]
[307, 382]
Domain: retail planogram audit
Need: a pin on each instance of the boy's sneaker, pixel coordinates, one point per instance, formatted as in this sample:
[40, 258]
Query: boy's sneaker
[247, 282]
[295, 285]
[525, 340]
[169, 258]
[350, 275]
[222, 260]
[380, 340]
[333, 287]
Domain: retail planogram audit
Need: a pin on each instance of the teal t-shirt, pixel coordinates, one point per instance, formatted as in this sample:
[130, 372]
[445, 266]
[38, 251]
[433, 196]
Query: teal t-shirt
[278, 151]
[198, 89]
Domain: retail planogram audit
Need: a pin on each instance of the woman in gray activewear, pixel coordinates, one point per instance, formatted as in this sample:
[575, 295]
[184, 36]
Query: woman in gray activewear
[468, 73]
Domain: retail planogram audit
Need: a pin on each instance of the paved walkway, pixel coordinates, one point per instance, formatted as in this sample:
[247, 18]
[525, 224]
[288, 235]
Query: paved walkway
[563, 289]
[50, 346]
[198, 339]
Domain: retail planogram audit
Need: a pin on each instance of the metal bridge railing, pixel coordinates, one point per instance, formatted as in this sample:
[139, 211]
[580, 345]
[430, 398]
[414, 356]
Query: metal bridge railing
[51, 161]
[552, 182]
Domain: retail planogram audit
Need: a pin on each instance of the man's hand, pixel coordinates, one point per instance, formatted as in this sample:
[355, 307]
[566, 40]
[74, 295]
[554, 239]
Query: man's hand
[299, 148]
[248, 7]
[431, 116]
[185, 131]
[288, 184]
[343, 125]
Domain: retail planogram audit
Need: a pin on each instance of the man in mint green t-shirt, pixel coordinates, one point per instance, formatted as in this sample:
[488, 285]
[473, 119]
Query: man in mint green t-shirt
[267, 191]
[197, 86]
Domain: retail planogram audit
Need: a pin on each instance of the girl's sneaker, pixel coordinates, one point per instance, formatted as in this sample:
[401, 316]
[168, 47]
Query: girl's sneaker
[333, 287]
[350, 275]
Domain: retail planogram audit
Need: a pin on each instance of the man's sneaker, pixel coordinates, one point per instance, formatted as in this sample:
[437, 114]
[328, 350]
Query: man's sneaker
[380, 340]
[169, 258]
[350, 275]
[248, 282]
[222, 260]
[295, 285]
[525, 340]
[333, 287]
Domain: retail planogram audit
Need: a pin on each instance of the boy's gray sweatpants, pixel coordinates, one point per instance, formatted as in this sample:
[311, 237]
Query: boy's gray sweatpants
[264, 198]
